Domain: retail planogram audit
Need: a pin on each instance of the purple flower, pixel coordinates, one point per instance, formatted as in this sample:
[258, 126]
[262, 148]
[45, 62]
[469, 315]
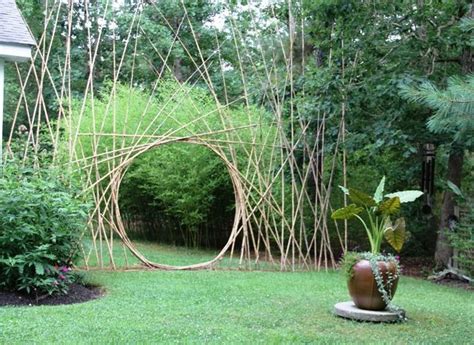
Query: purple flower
[397, 257]
[62, 277]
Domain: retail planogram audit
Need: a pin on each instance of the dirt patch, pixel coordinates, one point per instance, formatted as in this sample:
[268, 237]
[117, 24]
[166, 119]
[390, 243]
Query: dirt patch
[456, 283]
[419, 267]
[76, 294]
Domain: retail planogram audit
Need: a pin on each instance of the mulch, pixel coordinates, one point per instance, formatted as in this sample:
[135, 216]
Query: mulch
[76, 294]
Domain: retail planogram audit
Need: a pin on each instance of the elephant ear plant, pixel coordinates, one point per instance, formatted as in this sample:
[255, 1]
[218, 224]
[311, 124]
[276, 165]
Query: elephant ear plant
[379, 210]
[377, 215]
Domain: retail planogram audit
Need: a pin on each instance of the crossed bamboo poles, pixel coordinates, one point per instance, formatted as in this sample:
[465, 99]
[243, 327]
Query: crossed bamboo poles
[264, 222]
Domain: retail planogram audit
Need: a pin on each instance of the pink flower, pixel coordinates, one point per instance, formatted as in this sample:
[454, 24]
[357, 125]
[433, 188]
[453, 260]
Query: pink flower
[62, 277]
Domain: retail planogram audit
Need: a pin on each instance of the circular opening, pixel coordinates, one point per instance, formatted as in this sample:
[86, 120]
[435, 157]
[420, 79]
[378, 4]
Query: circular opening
[179, 195]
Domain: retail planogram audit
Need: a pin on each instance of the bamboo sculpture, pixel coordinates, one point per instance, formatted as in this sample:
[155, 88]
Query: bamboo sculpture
[274, 225]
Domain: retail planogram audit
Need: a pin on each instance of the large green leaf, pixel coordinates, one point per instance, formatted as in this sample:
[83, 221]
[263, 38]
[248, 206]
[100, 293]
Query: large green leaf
[346, 212]
[455, 189]
[406, 196]
[390, 206]
[344, 190]
[39, 268]
[360, 198]
[378, 196]
[395, 234]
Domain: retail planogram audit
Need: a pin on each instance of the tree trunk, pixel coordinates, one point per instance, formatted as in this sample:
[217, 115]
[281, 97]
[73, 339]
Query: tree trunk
[177, 70]
[444, 250]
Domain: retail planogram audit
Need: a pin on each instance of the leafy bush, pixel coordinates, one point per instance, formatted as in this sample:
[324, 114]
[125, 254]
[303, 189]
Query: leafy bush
[41, 222]
[463, 242]
[462, 238]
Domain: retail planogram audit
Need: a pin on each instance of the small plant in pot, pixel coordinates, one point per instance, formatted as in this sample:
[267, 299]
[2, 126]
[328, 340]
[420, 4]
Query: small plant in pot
[372, 276]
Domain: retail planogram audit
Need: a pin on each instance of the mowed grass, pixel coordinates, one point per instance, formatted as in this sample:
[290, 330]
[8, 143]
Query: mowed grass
[163, 254]
[242, 307]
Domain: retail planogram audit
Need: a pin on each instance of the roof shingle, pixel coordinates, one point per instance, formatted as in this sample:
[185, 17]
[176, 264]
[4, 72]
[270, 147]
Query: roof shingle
[13, 29]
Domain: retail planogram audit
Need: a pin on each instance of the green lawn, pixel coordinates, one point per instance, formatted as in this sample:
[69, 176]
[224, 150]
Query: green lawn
[223, 306]
[165, 254]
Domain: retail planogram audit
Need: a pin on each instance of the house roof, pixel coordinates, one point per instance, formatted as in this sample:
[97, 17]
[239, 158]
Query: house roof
[13, 28]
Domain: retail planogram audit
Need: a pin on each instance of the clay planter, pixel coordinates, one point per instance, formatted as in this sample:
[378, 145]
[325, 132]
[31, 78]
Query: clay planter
[363, 287]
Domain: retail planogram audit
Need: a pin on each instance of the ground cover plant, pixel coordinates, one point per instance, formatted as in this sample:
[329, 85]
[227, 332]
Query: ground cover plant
[222, 306]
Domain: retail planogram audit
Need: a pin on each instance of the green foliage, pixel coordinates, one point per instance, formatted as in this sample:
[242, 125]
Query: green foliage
[180, 189]
[405, 196]
[395, 234]
[41, 223]
[347, 263]
[357, 55]
[454, 107]
[378, 223]
[389, 206]
[363, 50]
[186, 184]
[378, 195]
[347, 212]
[462, 240]
[360, 198]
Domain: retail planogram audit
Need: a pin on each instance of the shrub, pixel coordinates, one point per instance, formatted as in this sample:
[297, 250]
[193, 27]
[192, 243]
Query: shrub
[40, 227]
[462, 239]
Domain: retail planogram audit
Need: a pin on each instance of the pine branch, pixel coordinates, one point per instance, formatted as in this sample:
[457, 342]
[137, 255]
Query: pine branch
[454, 106]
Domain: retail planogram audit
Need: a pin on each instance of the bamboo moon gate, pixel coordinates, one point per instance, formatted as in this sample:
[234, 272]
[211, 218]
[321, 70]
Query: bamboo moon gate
[276, 158]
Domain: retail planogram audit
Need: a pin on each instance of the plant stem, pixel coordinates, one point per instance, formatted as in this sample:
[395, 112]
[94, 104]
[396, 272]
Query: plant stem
[375, 245]
[369, 234]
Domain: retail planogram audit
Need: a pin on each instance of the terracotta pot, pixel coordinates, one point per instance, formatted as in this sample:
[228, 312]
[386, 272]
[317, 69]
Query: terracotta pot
[363, 287]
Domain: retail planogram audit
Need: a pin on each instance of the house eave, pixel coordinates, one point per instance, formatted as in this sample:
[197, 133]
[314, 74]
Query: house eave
[15, 52]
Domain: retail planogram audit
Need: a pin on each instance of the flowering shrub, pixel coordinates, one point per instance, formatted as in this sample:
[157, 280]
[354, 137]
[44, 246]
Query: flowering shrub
[41, 222]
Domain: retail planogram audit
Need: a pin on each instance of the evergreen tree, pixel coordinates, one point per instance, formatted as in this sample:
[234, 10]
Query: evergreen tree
[454, 115]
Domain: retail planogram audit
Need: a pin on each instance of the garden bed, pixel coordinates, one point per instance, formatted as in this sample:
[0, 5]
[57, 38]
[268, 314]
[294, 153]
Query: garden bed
[77, 294]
